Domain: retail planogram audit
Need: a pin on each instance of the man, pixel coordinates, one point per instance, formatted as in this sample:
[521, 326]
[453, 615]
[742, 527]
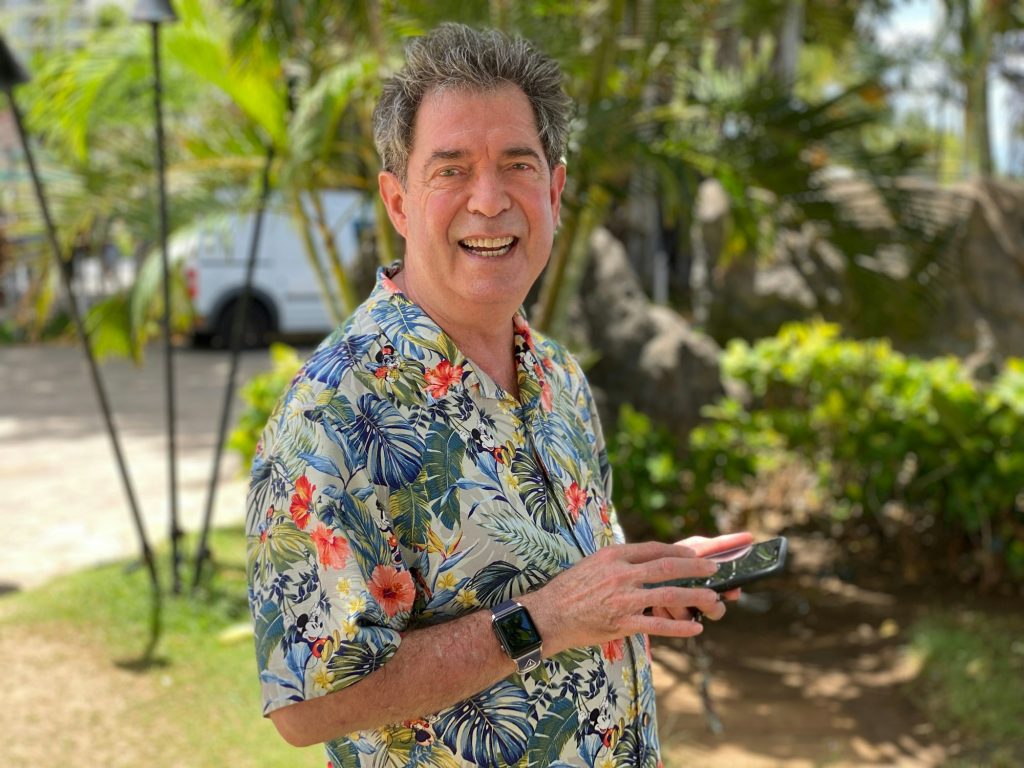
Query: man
[434, 459]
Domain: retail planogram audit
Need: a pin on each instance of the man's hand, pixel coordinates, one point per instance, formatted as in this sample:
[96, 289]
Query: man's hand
[603, 597]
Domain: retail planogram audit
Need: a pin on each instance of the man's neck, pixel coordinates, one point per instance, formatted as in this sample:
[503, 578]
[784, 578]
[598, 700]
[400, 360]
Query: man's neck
[487, 343]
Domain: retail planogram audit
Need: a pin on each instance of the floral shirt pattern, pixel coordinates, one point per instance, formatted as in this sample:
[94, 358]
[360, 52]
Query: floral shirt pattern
[396, 486]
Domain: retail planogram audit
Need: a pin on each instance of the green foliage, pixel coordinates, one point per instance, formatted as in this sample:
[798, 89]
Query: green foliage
[882, 428]
[261, 394]
[650, 490]
[972, 673]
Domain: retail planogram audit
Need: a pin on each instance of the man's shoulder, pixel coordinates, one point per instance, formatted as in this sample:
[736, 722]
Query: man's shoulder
[352, 347]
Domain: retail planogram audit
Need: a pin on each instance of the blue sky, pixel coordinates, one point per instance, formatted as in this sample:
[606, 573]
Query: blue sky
[917, 21]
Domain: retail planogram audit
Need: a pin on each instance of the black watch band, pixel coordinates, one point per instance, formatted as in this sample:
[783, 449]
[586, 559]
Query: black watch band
[517, 634]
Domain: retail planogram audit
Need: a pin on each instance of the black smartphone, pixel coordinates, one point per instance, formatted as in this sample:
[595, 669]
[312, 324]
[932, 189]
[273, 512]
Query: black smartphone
[739, 566]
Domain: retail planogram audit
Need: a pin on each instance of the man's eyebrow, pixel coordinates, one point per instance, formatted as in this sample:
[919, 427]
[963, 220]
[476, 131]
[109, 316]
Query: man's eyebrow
[444, 155]
[521, 152]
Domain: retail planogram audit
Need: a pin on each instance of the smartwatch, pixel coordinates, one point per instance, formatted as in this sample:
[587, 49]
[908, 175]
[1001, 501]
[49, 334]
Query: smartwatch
[517, 634]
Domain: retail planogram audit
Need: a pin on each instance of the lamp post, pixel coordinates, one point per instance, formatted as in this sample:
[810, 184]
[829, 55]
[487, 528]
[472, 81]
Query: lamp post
[155, 13]
[12, 75]
[237, 330]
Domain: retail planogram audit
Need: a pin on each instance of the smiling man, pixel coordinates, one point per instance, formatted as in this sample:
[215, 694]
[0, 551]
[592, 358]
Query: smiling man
[437, 576]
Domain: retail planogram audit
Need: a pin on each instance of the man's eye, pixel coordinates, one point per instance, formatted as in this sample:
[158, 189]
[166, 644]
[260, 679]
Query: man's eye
[521, 166]
[448, 172]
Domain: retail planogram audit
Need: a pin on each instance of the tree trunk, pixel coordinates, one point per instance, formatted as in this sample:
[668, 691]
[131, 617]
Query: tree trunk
[323, 281]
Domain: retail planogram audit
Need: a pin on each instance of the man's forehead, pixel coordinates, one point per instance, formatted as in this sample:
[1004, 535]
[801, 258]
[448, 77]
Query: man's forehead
[457, 139]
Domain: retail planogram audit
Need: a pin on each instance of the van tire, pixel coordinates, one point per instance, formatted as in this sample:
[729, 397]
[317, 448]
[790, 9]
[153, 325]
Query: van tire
[258, 324]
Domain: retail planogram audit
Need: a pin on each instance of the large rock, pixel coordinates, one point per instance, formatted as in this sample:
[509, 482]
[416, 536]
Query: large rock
[982, 312]
[968, 302]
[650, 357]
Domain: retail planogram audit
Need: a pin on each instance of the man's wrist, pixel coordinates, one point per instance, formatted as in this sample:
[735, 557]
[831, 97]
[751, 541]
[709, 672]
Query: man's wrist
[518, 635]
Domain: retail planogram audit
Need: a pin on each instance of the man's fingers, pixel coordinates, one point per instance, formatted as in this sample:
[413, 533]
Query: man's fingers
[672, 568]
[666, 627]
[678, 600]
[652, 550]
[705, 547]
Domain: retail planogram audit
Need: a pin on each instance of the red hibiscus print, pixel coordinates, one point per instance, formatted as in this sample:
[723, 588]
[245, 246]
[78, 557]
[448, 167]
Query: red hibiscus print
[331, 548]
[392, 589]
[441, 378]
[612, 650]
[302, 502]
[576, 498]
[547, 400]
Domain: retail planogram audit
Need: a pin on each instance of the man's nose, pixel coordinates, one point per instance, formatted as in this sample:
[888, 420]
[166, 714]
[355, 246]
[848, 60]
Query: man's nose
[487, 195]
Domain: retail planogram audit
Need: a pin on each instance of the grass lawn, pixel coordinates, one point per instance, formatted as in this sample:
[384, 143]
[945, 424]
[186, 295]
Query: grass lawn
[82, 697]
[972, 682]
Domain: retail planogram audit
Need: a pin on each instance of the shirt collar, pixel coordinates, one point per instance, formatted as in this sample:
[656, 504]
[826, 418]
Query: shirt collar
[410, 329]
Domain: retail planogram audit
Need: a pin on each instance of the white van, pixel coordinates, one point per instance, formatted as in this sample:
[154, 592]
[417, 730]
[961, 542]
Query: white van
[286, 297]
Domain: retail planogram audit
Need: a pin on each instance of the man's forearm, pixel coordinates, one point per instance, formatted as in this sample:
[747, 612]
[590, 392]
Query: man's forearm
[433, 668]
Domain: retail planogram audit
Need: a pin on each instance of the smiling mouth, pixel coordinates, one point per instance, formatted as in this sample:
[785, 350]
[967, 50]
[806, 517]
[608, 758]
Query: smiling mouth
[488, 246]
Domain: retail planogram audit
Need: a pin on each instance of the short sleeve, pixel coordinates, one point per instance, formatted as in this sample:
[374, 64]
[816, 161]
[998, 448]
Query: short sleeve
[328, 593]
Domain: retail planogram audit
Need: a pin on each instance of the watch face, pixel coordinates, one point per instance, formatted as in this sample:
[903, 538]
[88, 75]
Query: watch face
[518, 632]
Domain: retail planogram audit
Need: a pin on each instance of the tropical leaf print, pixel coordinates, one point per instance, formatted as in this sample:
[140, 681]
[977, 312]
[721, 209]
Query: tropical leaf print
[269, 630]
[553, 731]
[330, 363]
[553, 431]
[393, 449]
[404, 751]
[280, 547]
[365, 537]
[442, 464]
[491, 728]
[335, 417]
[538, 548]
[342, 754]
[401, 318]
[499, 580]
[441, 344]
[533, 489]
[632, 751]
[320, 463]
[352, 662]
[410, 511]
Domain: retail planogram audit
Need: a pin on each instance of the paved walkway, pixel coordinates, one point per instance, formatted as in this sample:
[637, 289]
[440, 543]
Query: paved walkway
[63, 505]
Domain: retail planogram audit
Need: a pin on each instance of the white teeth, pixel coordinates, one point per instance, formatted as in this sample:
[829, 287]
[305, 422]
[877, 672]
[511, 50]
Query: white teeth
[487, 242]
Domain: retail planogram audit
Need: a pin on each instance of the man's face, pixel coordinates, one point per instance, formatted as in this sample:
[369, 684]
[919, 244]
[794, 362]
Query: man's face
[479, 207]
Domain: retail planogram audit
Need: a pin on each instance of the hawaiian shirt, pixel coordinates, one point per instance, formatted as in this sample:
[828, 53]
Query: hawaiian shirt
[397, 486]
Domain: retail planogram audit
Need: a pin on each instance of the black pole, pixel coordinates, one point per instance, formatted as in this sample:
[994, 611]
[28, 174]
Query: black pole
[172, 461]
[97, 381]
[237, 331]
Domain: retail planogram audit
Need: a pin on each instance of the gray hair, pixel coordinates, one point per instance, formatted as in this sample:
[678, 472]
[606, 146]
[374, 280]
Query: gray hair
[457, 56]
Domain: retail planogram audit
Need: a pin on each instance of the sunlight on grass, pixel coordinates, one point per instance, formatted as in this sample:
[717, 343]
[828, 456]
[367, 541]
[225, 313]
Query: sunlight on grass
[972, 678]
[199, 699]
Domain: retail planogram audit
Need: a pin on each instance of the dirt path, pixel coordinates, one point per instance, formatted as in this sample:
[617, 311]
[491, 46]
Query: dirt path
[815, 676]
[64, 505]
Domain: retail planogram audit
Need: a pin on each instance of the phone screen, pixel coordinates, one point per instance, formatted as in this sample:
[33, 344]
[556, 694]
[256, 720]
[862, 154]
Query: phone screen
[739, 566]
[753, 562]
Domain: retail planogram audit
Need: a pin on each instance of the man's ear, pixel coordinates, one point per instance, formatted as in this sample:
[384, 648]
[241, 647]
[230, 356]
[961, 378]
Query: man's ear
[557, 185]
[393, 194]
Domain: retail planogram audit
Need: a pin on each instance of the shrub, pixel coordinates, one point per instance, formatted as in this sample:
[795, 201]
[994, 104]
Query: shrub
[260, 395]
[883, 429]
